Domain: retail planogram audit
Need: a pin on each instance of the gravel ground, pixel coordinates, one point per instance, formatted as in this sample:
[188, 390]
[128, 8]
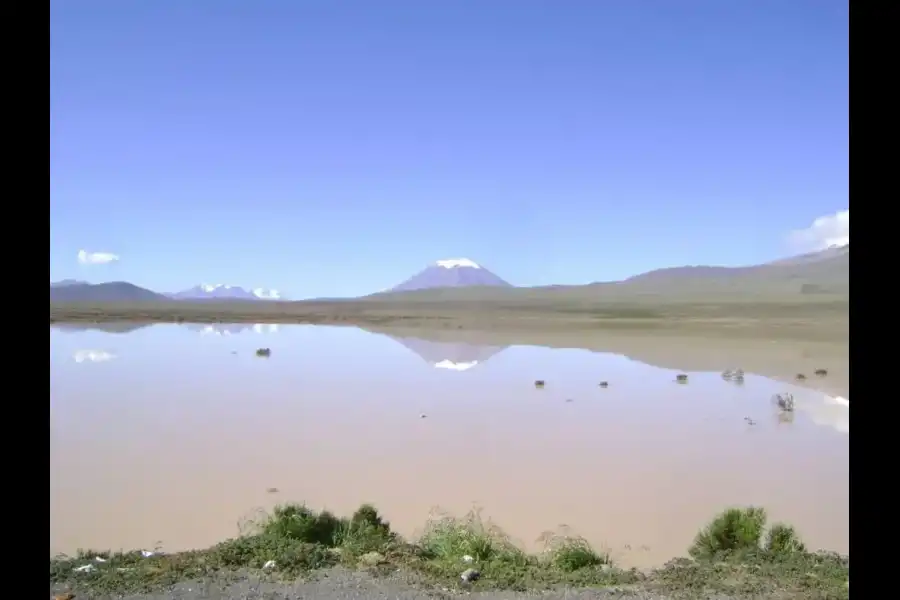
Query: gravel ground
[342, 584]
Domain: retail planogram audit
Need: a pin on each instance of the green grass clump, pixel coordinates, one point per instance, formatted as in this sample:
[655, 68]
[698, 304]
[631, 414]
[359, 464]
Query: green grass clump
[570, 554]
[450, 544]
[783, 539]
[297, 522]
[450, 538]
[735, 529]
[741, 530]
[365, 531]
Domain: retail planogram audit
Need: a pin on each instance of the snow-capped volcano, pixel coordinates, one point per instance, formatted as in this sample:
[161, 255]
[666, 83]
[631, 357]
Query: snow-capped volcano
[451, 272]
[221, 291]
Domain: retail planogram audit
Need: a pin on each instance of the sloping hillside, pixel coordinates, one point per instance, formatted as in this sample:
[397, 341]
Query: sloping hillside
[116, 291]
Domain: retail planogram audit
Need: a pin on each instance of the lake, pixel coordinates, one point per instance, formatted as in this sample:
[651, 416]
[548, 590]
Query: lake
[173, 436]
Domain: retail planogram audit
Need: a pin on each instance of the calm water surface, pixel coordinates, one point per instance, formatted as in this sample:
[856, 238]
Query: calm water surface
[170, 436]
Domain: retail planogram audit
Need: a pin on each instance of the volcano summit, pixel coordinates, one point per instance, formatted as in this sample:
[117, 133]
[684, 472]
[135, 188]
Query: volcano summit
[451, 273]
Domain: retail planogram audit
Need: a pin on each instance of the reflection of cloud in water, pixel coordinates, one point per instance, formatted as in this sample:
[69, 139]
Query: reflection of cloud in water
[831, 411]
[233, 328]
[92, 356]
[453, 356]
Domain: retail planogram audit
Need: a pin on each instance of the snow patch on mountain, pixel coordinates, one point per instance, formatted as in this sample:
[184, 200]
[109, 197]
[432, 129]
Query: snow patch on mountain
[207, 291]
[453, 263]
[264, 294]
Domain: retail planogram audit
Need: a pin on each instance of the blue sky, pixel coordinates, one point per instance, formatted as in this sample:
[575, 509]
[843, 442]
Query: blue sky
[334, 148]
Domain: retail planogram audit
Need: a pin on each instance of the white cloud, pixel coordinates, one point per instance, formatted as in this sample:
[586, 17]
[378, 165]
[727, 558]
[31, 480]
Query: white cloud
[830, 230]
[96, 258]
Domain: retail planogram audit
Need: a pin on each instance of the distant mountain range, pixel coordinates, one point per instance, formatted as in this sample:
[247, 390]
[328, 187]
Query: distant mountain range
[824, 272]
[220, 291]
[114, 291]
[66, 283]
[70, 290]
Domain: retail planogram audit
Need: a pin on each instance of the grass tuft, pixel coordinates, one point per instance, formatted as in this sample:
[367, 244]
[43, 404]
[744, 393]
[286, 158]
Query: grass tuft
[734, 530]
[300, 523]
[569, 554]
[783, 539]
[741, 531]
[450, 538]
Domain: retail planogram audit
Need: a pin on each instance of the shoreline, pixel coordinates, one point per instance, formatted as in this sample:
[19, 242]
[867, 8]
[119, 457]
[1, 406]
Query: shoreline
[737, 555]
[778, 349]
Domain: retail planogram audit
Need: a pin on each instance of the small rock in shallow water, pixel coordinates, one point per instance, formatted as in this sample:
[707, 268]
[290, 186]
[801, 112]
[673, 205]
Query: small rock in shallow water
[470, 575]
[784, 401]
[604, 384]
[735, 375]
[272, 490]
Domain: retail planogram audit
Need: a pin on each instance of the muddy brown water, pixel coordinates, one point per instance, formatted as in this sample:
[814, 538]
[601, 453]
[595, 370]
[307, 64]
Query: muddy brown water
[174, 437]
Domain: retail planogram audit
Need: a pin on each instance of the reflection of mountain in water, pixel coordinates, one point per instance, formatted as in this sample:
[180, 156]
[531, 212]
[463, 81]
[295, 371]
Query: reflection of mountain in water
[233, 328]
[104, 327]
[455, 356]
[830, 411]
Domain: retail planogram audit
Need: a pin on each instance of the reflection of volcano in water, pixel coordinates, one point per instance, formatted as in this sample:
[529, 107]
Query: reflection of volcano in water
[455, 356]
[233, 328]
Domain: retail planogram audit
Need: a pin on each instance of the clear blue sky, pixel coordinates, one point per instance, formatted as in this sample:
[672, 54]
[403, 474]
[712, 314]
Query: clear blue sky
[331, 148]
